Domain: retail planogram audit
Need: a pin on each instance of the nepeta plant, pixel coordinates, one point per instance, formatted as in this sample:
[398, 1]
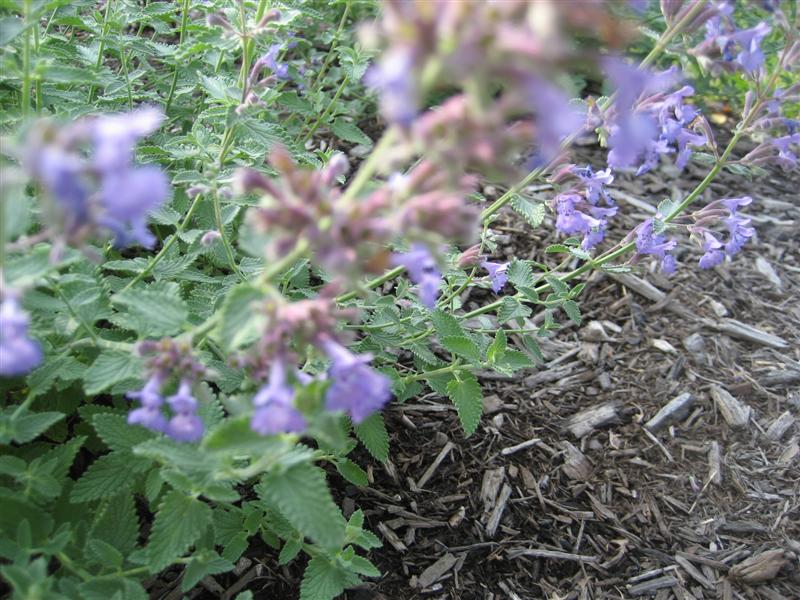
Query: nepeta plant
[206, 306]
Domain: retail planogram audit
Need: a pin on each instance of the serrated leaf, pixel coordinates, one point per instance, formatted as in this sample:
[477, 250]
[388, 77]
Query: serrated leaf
[511, 308]
[117, 434]
[514, 360]
[559, 287]
[206, 563]
[532, 212]
[462, 346]
[301, 494]
[352, 472]
[446, 325]
[467, 398]
[109, 368]
[349, 132]
[153, 312]
[179, 522]
[520, 274]
[323, 580]
[117, 523]
[107, 477]
[289, 551]
[498, 346]
[573, 311]
[372, 433]
[26, 426]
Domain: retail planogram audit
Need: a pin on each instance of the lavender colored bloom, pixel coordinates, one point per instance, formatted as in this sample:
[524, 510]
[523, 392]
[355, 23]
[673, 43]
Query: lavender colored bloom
[393, 78]
[786, 158]
[556, 118]
[127, 198]
[498, 274]
[593, 237]
[423, 271]
[712, 251]
[595, 183]
[356, 388]
[751, 57]
[185, 425]
[60, 173]
[270, 60]
[116, 136]
[739, 233]
[649, 242]
[569, 219]
[149, 415]
[18, 353]
[274, 405]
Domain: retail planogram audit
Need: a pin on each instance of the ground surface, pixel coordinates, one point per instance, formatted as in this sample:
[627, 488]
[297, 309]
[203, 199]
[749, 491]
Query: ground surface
[616, 511]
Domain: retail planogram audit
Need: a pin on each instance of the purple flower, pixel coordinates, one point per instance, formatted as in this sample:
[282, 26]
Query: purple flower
[356, 388]
[593, 237]
[127, 198]
[149, 415]
[423, 271]
[274, 405]
[498, 274]
[786, 158]
[649, 242]
[751, 57]
[60, 173]
[393, 78]
[185, 425]
[569, 219]
[18, 353]
[270, 60]
[556, 118]
[739, 233]
[595, 183]
[712, 251]
[116, 136]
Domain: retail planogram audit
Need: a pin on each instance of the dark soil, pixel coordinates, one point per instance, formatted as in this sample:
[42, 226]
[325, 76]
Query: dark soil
[620, 511]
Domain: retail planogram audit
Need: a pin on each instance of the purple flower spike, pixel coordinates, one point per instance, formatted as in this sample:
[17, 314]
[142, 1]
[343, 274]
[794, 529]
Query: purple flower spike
[422, 270]
[393, 78]
[18, 353]
[713, 254]
[61, 175]
[183, 401]
[275, 412]
[115, 137]
[498, 274]
[648, 242]
[751, 57]
[356, 388]
[150, 394]
[556, 118]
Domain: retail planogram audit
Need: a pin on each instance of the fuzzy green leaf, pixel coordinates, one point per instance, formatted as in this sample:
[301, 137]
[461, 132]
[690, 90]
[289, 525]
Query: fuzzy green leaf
[179, 522]
[109, 368]
[323, 580]
[107, 477]
[468, 400]
[372, 433]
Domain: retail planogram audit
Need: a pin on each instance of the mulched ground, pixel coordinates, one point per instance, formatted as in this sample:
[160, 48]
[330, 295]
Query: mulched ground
[546, 500]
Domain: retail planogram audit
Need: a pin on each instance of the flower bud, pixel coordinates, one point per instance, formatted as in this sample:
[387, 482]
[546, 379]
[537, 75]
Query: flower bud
[196, 190]
[271, 15]
[209, 237]
[470, 257]
[218, 20]
[249, 180]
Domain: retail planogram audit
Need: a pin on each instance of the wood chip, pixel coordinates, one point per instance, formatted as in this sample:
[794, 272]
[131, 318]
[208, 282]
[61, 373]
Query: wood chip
[673, 411]
[492, 480]
[426, 476]
[520, 446]
[714, 463]
[790, 453]
[648, 587]
[764, 268]
[576, 465]
[694, 572]
[436, 571]
[664, 346]
[391, 537]
[759, 568]
[780, 426]
[586, 421]
[550, 554]
[497, 512]
[742, 331]
[735, 413]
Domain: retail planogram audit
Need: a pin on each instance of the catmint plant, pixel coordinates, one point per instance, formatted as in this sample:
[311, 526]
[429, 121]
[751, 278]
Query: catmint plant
[233, 237]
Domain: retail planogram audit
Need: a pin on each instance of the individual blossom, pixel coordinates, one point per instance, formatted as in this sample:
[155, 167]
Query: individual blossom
[595, 183]
[356, 388]
[18, 352]
[274, 405]
[149, 413]
[655, 244]
[422, 270]
[185, 425]
[713, 254]
[498, 274]
[394, 79]
[575, 214]
[127, 198]
[738, 225]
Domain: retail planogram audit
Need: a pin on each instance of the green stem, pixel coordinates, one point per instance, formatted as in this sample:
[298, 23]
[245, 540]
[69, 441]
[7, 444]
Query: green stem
[444, 370]
[223, 236]
[167, 245]
[330, 54]
[76, 316]
[182, 36]
[245, 54]
[327, 111]
[37, 84]
[370, 166]
[25, 100]
[102, 47]
[124, 62]
[373, 283]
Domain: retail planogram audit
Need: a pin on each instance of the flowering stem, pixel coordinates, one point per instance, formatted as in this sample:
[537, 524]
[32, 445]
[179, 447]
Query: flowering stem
[182, 36]
[329, 55]
[25, 100]
[328, 109]
[167, 245]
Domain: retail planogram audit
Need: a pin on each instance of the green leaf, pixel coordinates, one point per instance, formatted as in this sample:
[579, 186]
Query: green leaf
[156, 311]
[511, 308]
[514, 360]
[349, 132]
[497, 348]
[289, 551]
[468, 400]
[240, 324]
[446, 325]
[372, 433]
[352, 472]
[520, 274]
[117, 434]
[559, 287]
[301, 494]
[117, 524]
[104, 554]
[26, 426]
[107, 477]
[10, 27]
[112, 588]
[205, 563]
[532, 212]
[573, 311]
[109, 368]
[323, 580]
[179, 522]
[462, 346]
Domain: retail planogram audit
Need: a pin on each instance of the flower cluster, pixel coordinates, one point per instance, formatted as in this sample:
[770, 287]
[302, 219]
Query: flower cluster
[649, 240]
[169, 360]
[108, 190]
[18, 352]
[578, 209]
[739, 230]
[728, 47]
